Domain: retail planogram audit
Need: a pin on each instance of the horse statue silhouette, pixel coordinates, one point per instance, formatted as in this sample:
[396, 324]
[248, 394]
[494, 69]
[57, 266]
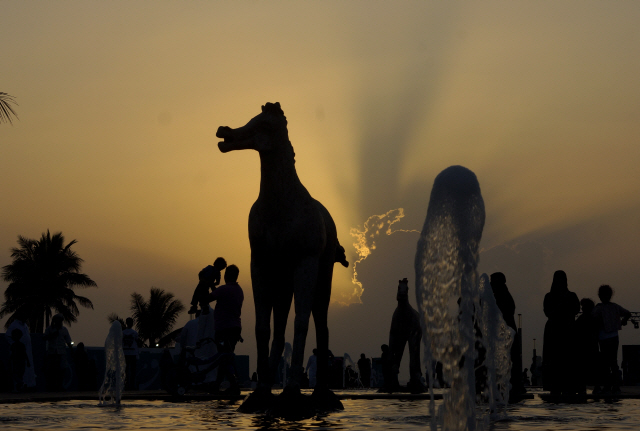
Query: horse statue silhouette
[405, 329]
[294, 246]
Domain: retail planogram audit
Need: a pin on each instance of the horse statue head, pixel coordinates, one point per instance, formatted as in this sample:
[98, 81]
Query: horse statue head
[266, 133]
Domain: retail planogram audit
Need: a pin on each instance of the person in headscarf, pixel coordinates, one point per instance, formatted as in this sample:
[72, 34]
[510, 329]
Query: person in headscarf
[560, 307]
[115, 372]
[507, 307]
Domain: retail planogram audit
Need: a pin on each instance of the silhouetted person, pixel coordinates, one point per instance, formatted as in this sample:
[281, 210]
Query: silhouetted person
[504, 300]
[536, 370]
[208, 278]
[525, 377]
[560, 307]
[131, 353]
[611, 318]
[388, 374]
[588, 353]
[29, 378]
[312, 368]
[85, 369]
[19, 360]
[364, 365]
[57, 338]
[507, 306]
[228, 325]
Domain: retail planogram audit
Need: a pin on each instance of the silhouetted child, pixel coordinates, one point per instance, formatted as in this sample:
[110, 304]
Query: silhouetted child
[611, 318]
[19, 360]
[208, 278]
[312, 368]
[588, 352]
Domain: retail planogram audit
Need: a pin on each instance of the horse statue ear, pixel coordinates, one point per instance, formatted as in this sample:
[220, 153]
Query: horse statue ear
[262, 108]
[278, 105]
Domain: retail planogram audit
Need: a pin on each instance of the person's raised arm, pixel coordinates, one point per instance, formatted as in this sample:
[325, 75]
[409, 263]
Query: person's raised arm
[626, 315]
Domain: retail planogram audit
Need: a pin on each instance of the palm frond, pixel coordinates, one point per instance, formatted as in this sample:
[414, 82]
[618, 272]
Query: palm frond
[6, 111]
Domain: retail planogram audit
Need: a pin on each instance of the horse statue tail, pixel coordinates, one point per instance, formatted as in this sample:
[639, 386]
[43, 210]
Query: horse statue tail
[341, 256]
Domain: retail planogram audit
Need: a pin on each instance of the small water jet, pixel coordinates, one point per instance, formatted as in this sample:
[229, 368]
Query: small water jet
[461, 326]
[115, 372]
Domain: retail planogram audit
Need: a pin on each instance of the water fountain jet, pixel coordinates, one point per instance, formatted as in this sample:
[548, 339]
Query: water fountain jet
[458, 314]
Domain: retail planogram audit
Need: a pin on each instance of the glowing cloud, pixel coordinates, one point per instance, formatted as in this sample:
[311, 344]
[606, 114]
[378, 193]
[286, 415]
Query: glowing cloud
[365, 242]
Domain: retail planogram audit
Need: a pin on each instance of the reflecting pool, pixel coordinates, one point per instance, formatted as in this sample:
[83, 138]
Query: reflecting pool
[358, 414]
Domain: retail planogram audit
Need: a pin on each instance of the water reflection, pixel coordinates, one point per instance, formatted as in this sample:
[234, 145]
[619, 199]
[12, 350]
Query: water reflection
[376, 414]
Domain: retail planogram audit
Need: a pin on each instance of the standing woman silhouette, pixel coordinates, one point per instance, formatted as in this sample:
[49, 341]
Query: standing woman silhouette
[560, 307]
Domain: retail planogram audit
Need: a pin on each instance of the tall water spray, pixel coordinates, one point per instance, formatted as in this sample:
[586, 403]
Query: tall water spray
[448, 293]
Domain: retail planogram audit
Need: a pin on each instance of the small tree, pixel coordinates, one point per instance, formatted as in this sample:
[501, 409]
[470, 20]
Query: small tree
[41, 279]
[155, 318]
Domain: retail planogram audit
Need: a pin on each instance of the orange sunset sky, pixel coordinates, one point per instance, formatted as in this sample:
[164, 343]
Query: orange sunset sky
[119, 103]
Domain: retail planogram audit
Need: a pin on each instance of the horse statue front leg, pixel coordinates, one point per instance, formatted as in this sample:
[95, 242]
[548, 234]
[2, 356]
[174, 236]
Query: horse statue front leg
[261, 399]
[292, 403]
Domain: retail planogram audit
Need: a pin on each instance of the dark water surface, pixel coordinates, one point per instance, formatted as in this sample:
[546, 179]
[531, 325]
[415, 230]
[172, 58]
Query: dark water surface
[358, 414]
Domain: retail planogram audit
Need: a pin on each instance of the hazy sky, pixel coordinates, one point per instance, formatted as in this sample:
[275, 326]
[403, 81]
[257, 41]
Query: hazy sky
[119, 103]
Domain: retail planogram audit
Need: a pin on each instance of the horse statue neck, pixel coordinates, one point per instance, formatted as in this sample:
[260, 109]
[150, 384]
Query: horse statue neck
[279, 180]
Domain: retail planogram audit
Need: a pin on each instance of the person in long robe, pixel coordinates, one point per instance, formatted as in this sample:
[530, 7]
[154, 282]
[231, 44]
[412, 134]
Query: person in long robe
[507, 307]
[560, 307]
[29, 377]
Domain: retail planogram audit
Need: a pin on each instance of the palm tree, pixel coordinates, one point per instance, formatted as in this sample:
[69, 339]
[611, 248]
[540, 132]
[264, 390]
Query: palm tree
[6, 111]
[155, 318]
[41, 280]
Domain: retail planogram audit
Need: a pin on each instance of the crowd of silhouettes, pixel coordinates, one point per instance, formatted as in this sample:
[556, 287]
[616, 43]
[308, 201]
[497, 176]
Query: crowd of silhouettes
[577, 352]
[583, 351]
